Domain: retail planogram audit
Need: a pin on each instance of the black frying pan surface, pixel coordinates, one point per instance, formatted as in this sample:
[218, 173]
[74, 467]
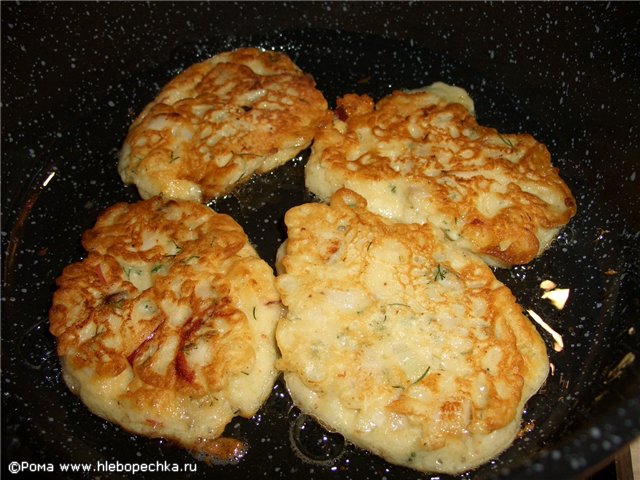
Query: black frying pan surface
[590, 405]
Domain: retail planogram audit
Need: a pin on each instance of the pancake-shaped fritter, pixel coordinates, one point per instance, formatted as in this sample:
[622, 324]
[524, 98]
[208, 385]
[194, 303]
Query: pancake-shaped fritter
[167, 327]
[400, 341]
[420, 156]
[218, 122]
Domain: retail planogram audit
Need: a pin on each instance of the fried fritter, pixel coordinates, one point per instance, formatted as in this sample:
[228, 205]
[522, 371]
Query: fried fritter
[218, 122]
[166, 328]
[400, 341]
[420, 156]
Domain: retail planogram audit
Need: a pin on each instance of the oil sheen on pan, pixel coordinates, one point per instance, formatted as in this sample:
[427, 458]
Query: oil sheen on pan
[42, 241]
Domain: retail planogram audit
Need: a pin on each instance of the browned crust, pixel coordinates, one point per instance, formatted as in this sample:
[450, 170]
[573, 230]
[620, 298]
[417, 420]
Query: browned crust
[445, 414]
[108, 326]
[456, 187]
[238, 130]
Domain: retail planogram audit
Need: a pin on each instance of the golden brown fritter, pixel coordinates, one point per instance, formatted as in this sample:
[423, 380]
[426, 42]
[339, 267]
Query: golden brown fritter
[167, 326]
[420, 156]
[218, 122]
[400, 341]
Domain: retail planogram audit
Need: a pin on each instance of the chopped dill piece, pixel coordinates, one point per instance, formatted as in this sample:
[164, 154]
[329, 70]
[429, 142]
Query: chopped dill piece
[424, 374]
[506, 141]
[440, 273]
[157, 268]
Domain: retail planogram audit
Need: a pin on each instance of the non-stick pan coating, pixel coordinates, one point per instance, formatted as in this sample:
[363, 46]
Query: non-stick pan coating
[75, 75]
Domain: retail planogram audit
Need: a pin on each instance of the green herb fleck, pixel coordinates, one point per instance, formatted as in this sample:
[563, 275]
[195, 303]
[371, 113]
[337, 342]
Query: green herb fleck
[440, 273]
[173, 157]
[424, 374]
[506, 141]
[157, 268]
[254, 313]
[393, 189]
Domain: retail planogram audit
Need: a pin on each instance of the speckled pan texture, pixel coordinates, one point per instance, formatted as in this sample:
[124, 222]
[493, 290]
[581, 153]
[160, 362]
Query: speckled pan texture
[74, 75]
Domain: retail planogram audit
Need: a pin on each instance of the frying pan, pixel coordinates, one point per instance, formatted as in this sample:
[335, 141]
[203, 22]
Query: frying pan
[74, 75]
